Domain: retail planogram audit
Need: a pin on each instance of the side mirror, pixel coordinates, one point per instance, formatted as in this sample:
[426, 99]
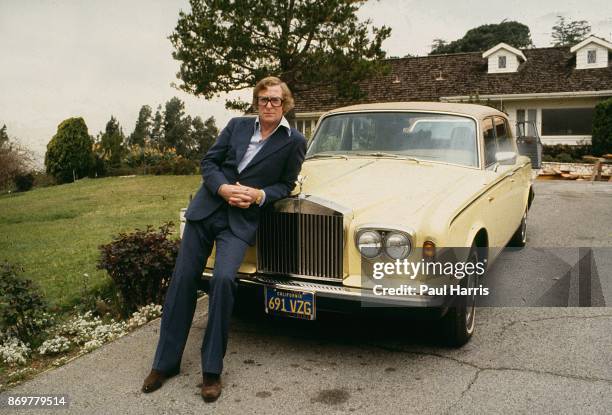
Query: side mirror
[505, 157]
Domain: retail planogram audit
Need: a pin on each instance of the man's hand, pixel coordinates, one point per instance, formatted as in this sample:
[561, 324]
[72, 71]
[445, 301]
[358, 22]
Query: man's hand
[238, 195]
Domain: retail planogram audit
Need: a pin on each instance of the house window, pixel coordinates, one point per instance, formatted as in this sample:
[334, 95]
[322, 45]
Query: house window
[501, 62]
[592, 56]
[306, 126]
[567, 121]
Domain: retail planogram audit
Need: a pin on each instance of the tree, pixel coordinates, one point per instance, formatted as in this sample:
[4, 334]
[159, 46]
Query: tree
[204, 135]
[601, 139]
[485, 37]
[157, 129]
[438, 44]
[569, 33]
[228, 45]
[4, 138]
[69, 154]
[15, 161]
[142, 130]
[176, 127]
[112, 141]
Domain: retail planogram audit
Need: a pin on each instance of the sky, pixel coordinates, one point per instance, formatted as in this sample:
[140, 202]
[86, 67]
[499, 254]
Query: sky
[97, 58]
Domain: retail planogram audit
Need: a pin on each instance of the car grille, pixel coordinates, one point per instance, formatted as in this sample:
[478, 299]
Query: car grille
[303, 244]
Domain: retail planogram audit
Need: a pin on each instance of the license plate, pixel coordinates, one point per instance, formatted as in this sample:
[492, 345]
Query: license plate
[290, 303]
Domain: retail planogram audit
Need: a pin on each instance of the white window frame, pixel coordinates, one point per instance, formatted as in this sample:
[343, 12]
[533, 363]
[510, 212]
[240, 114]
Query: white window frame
[502, 62]
[591, 54]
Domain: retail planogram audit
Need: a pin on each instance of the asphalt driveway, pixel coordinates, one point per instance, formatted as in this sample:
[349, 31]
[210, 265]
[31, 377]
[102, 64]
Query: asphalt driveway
[521, 359]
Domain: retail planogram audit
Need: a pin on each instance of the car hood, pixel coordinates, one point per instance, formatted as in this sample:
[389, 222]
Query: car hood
[372, 185]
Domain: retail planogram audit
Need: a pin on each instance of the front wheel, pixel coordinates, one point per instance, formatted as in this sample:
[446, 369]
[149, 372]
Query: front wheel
[459, 322]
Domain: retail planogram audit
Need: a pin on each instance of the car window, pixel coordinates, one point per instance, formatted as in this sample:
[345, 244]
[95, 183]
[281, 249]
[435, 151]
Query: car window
[363, 133]
[439, 137]
[331, 136]
[488, 134]
[503, 137]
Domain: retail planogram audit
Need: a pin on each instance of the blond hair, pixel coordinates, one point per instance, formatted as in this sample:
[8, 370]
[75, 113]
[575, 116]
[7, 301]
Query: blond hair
[268, 81]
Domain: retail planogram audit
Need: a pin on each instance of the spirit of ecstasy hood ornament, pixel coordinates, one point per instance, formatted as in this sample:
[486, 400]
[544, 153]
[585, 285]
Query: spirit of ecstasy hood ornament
[300, 181]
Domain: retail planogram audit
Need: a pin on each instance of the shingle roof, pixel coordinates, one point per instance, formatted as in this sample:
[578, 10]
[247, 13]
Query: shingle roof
[427, 78]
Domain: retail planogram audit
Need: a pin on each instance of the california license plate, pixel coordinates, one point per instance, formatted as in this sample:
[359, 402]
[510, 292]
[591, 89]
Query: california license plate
[290, 303]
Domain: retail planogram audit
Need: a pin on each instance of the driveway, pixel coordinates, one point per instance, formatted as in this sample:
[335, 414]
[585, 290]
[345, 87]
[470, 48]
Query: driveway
[521, 359]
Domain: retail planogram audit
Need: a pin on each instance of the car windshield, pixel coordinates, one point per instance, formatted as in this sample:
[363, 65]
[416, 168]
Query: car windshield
[436, 137]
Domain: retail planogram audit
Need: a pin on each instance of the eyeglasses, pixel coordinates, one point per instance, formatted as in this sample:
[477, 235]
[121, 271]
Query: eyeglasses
[275, 101]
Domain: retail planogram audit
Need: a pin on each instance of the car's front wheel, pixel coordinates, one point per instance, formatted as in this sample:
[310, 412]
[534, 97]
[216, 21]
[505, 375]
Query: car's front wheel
[459, 322]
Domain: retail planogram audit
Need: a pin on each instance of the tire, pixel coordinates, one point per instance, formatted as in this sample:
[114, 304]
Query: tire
[460, 321]
[519, 239]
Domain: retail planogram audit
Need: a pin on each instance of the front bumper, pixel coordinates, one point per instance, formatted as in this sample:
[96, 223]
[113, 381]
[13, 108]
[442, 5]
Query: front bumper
[336, 298]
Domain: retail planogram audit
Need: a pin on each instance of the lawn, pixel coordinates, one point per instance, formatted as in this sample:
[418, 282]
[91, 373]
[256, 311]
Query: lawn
[54, 232]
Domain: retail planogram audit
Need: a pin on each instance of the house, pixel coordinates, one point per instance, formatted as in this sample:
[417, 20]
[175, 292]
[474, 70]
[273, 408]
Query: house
[556, 87]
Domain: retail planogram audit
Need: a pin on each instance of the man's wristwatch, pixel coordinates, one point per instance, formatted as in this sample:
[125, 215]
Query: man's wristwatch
[259, 197]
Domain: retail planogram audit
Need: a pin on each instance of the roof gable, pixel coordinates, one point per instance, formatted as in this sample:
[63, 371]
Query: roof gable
[591, 39]
[505, 46]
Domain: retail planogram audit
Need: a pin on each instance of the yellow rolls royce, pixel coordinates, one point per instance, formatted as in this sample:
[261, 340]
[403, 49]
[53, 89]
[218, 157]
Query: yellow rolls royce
[387, 184]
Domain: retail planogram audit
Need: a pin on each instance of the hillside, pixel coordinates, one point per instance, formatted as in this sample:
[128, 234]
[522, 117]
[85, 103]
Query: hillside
[54, 232]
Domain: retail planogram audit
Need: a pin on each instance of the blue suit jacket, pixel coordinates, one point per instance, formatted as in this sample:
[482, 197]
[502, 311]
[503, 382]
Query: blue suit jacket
[274, 169]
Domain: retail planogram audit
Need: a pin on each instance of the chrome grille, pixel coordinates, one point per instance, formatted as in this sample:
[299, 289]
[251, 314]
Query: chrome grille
[301, 243]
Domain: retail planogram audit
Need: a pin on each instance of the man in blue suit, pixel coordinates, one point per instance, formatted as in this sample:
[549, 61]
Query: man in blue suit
[254, 162]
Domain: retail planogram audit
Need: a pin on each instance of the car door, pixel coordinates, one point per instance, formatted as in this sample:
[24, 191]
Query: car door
[511, 198]
[494, 195]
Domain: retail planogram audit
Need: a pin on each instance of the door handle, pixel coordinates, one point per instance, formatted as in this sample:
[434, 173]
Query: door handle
[490, 198]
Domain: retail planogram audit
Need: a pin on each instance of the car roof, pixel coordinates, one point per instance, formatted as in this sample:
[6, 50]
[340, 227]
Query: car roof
[478, 111]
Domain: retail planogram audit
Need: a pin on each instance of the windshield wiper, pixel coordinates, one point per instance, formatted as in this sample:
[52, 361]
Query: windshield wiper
[391, 155]
[314, 156]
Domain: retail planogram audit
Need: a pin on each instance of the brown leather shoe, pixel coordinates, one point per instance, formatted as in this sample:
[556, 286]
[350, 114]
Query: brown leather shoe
[156, 379]
[211, 387]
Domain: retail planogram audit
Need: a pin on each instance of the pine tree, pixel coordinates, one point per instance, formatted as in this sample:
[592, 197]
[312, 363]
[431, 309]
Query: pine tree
[142, 130]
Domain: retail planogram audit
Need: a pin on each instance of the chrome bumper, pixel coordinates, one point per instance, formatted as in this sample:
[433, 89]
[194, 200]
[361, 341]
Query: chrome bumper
[338, 298]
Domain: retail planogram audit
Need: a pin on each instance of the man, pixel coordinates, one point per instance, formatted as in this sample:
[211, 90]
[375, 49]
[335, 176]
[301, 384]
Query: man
[253, 163]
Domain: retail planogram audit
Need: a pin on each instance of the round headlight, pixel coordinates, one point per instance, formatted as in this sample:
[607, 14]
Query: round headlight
[369, 244]
[397, 245]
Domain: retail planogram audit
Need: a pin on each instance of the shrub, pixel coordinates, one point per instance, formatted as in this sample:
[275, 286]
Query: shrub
[565, 153]
[121, 171]
[24, 182]
[15, 161]
[184, 166]
[141, 265]
[69, 153]
[23, 313]
[42, 179]
[163, 167]
[602, 128]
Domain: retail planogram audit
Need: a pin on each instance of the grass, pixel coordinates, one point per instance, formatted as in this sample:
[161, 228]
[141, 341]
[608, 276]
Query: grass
[54, 232]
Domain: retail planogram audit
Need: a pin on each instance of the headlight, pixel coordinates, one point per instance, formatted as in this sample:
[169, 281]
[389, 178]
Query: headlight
[369, 244]
[397, 245]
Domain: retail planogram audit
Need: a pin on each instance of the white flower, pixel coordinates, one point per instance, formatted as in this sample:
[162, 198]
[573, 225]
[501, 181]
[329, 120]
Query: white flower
[14, 351]
[91, 345]
[144, 314]
[55, 345]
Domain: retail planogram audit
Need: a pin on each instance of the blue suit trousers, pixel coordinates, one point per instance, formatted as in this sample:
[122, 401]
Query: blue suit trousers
[179, 305]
